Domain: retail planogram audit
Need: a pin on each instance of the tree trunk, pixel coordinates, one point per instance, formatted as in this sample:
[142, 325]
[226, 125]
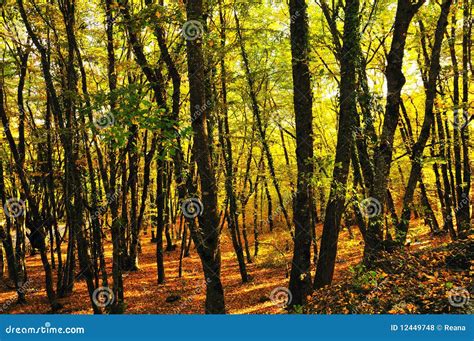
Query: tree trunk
[7, 242]
[34, 221]
[160, 221]
[258, 120]
[345, 140]
[419, 146]
[300, 277]
[226, 145]
[207, 237]
[383, 153]
[464, 220]
[112, 191]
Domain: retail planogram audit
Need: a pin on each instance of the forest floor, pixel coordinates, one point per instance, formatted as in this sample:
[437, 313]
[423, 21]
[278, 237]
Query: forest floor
[416, 281]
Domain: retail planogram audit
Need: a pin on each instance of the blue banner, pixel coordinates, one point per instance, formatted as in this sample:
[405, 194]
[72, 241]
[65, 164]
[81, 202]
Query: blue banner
[237, 327]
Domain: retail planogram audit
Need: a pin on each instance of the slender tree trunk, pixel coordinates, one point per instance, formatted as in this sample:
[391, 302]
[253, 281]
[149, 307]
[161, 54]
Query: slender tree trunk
[300, 277]
[51, 193]
[419, 146]
[383, 153]
[224, 133]
[345, 140]
[207, 237]
[113, 191]
[97, 246]
[464, 215]
[258, 119]
[407, 136]
[34, 221]
[7, 241]
[255, 214]
[160, 221]
[73, 182]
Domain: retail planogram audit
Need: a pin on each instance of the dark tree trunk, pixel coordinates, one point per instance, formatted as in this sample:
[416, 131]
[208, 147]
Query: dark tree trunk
[255, 215]
[160, 220]
[269, 205]
[300, 277]
[137, 213]
[345, 139]
[463, 216]
[7, 241]
[226, 145]
[383, 153]
[407, 136]
[458, 122]
[184, 239]
[436, 169]
[73, 181]
[244, 197]
[446, 169]
[419, 146]
[112, 191]
[51, 192]
[97, 246]
[207, 237]
[34, 221]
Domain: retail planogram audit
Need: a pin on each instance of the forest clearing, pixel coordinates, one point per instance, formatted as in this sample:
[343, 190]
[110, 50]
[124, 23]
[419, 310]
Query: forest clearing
[236, 157]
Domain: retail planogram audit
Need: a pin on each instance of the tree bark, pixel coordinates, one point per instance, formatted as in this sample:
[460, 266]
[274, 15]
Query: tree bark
[300, 276]
[207, 237]
[464, 215]
[419, 146]
[345, 140]
[226, 145]
[383, 153]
